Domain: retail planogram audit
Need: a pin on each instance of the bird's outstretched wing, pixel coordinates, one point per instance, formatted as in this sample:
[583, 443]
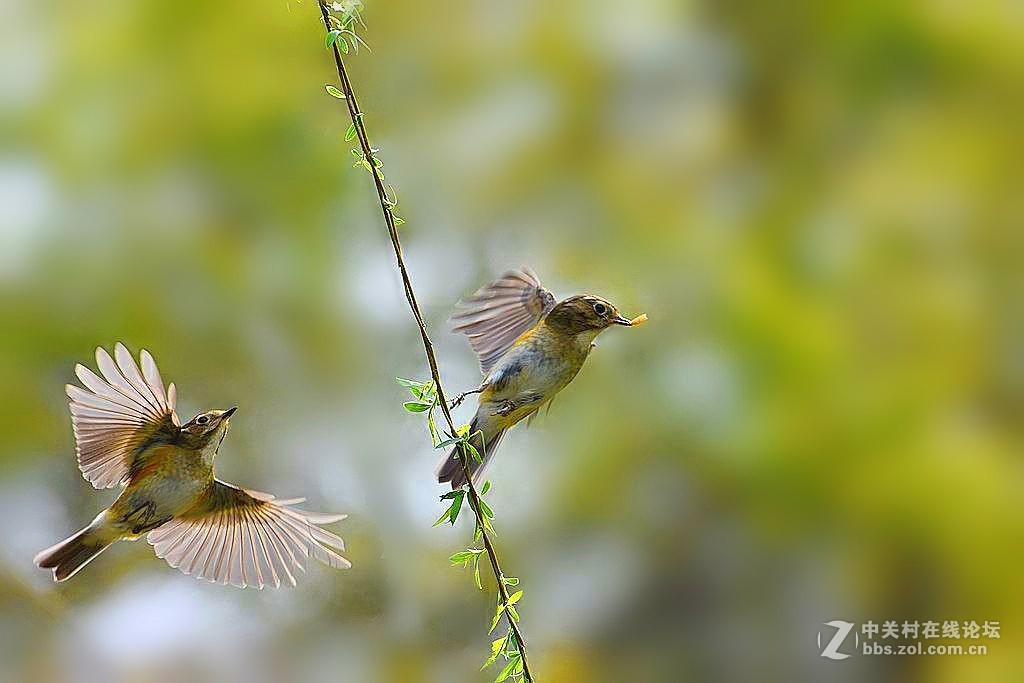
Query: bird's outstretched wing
[117, 415]
[246, 538]
[498, 313]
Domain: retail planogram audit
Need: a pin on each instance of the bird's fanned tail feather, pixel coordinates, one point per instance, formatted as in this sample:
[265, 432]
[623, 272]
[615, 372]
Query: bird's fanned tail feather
[71, 554]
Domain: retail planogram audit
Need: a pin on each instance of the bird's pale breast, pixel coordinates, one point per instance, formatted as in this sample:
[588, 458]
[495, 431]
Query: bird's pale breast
[539, 366]
[168, 481]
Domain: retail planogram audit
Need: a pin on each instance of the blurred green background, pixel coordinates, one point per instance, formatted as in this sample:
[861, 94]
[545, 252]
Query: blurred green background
[819, 205]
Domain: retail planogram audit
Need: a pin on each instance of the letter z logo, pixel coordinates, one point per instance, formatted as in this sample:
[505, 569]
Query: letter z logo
[843, 629]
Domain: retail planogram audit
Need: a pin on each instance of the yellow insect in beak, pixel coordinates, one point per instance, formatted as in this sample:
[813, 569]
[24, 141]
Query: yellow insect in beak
[622, 320]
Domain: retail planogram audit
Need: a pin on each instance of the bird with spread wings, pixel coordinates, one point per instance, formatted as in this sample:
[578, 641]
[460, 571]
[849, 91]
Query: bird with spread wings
[128, 434]
[530, 347]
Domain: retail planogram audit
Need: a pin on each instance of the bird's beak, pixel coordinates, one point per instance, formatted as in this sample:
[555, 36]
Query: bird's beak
[229, 412]
[622, 320]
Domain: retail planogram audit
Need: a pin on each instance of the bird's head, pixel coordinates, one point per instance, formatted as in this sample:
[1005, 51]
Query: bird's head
[585, 313]
[207, 429]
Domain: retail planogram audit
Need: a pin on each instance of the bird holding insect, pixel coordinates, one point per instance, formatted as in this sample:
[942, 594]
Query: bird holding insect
[530, 347]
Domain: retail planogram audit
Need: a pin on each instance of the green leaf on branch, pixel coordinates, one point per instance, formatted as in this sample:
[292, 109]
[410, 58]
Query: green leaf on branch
[473, 452]
[497, 618]
[486, 525]
[416, 406]
[463, 557]
[427, 391]
[452, 513]
[444, 517]
[514, 662]
[421, 390]
[357, 41]
[432, 426]
[334, 92]
[332, 37]
[448, 442]
[456, 506]
[497, 647]
[467, 557]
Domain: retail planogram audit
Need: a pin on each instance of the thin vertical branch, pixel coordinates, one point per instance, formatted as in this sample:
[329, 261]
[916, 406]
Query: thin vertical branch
[428, 348]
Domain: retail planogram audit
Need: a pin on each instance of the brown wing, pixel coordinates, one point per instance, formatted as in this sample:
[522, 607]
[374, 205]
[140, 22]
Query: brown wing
[247, 538]
[117, 415]
[500, 312]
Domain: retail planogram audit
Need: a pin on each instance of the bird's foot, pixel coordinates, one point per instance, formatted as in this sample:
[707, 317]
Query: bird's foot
[457, 401]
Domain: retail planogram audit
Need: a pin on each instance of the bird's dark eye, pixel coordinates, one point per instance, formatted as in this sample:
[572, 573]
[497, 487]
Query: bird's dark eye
[600, 308]
[202, 419]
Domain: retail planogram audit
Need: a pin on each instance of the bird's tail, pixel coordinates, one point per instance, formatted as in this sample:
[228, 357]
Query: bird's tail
[71, 554]
[485, 441]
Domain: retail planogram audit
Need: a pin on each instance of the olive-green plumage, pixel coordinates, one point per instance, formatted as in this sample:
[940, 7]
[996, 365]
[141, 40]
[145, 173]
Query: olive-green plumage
[530, 349]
